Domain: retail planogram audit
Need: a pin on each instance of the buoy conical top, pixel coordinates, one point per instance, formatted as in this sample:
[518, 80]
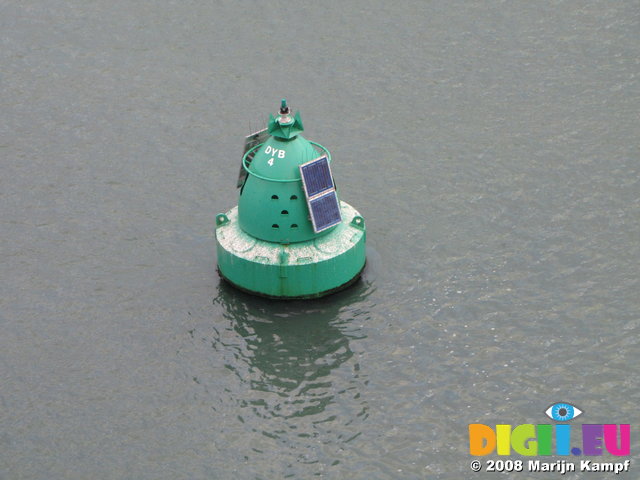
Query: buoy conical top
[284, 126]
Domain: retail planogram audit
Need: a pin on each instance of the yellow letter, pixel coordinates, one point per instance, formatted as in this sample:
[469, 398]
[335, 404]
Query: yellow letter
[503, 432]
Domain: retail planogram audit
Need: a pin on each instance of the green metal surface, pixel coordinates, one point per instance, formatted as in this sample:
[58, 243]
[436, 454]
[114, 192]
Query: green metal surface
[267, 245]
[299, 270]
[272, 204]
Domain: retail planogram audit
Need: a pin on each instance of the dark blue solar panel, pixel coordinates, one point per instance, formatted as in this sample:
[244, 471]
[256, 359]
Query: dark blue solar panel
[325, 211]
[316, 176]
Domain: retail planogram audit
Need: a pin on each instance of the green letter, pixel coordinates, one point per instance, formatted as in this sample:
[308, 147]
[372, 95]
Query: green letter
[523, 440]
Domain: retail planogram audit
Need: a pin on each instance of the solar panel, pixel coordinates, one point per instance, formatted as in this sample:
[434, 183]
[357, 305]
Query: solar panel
[254, 139]
[250, 141]
[316, 176]
[320, 191]
[325, 211]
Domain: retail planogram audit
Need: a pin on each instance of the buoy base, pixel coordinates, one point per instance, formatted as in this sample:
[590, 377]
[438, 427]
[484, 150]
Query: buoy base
[308, 269]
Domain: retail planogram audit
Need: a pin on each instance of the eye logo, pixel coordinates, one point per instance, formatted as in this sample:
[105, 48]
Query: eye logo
[562, 412]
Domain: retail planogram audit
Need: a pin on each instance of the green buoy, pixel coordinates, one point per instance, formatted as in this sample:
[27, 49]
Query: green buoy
[290, 236]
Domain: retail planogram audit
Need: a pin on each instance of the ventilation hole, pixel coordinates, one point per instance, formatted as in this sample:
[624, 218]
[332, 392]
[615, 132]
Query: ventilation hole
[284, 212]
[294, 225]
[293, 197]
[275, 225]
[274, 197]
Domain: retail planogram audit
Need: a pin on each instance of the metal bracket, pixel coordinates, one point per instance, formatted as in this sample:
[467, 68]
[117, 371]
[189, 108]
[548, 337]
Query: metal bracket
[358, 222]
[284, 260]
[221, 219]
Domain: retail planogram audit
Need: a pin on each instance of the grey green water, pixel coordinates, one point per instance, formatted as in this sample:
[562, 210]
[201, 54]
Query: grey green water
[492, 147]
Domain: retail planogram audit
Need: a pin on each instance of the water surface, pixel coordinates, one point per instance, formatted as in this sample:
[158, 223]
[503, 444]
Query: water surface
[491, 147]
